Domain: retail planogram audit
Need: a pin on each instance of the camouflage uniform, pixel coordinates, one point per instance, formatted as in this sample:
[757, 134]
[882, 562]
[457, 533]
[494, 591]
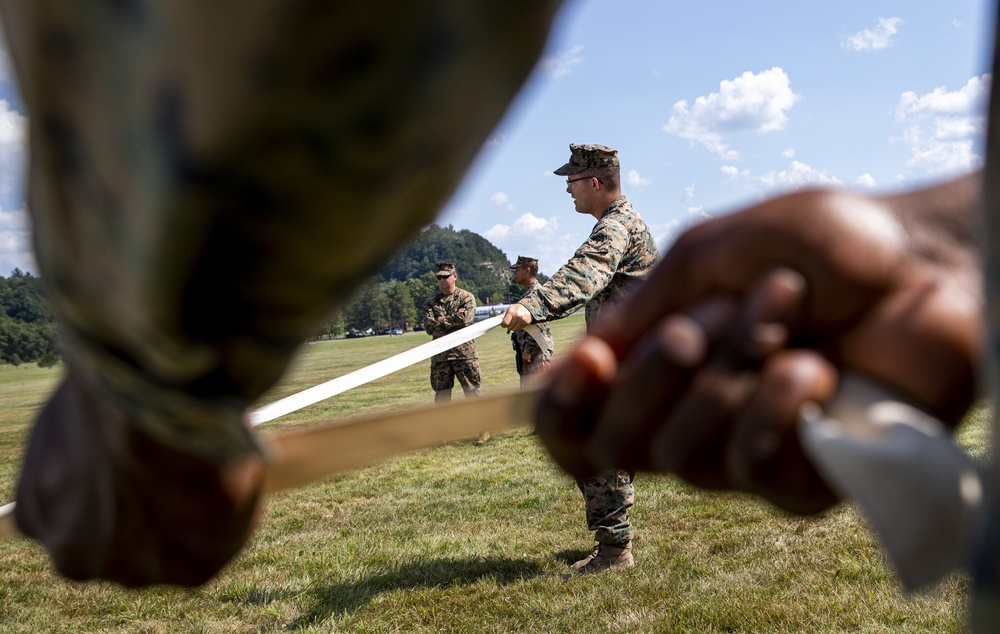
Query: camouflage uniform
[619, 253]
[199, 214]
[444, 314]
[205, 190]
[522, 343]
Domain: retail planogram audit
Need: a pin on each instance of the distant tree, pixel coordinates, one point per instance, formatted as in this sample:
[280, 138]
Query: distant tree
[23, 298]
[401, 308]
[483, 269]
[27, 324]
[368, 309]
[422, 288]
[332, 327]
[335, 326]
[48, 360]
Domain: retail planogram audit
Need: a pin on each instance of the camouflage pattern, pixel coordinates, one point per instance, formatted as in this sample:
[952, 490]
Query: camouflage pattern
[619, 253]
[523, 343]
[585, 157]
[525, 261]
[445, 314]
[608, 496]
[444, 268]
[444, 373]
[205, 191]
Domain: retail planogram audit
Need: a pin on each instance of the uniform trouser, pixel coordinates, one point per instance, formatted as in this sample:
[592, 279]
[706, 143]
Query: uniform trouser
[608, 497]
[444, 373]
[527, 369]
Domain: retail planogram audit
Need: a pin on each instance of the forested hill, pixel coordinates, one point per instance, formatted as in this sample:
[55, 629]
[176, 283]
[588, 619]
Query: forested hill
[27, 325]
[394, 297]
[482, 267]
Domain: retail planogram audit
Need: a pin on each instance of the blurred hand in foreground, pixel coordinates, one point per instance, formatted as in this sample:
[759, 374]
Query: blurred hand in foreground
[702, 372]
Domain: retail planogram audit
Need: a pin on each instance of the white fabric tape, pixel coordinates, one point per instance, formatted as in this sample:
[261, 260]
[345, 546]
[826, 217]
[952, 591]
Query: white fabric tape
[374, 371]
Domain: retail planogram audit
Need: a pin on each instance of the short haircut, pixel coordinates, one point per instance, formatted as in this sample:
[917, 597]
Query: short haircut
[609, 176]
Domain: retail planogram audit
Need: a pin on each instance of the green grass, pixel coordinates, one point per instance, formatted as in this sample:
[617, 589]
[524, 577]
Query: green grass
[466, 539]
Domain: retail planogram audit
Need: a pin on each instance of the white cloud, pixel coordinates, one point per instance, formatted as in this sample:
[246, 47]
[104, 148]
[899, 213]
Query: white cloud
[931, 154]
[874, 39]
[530, 223]
[559, 65]
[799, 174]
[944, 129]
[731, 172]
[635, 179]
[789, 153]
[795, 176]
[13, 139]
[537, 237]
[502, 200]
[497, 233]
[667, 233]
[749, 103]
[526, 225]
[865, 181]
[940, 101]
[15, 242]
[495, 139]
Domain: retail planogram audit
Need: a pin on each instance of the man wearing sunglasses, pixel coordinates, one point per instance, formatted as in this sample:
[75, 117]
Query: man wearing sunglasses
[449, 310]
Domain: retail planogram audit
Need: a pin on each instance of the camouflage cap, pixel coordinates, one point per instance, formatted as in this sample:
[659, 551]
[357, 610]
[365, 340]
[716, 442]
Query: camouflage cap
[524, 261]
[584, 157]
[444, 269]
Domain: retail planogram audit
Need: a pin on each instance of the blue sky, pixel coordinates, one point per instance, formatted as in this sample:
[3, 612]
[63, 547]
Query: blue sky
[712, 105]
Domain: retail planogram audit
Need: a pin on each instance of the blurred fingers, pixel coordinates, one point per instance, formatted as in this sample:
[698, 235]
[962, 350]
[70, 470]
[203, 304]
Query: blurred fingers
[566, 410]
[764, 455]
[651, 380]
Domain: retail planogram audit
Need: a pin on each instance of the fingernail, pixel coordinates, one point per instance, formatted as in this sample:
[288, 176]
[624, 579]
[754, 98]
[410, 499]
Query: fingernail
[765, 338]
[682, 341]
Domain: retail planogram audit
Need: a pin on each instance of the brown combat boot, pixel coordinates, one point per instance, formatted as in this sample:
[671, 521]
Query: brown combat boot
[604, 557]
[483, 439]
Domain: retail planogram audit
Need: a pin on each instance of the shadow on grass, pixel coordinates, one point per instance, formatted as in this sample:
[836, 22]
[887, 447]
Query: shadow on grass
[342, 598]
[570, 557]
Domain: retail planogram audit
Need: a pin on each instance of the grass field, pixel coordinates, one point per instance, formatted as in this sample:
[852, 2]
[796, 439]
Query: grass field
[467, 539]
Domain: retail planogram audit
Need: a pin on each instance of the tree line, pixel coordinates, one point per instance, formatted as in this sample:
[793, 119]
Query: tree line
[27, 325]
[393, 298]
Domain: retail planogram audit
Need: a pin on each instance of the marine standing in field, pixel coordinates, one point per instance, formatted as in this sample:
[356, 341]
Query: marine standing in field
[528, 355]
[619, 253]
[452, 309]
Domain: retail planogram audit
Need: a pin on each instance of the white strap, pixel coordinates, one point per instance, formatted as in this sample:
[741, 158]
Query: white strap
[351, 380]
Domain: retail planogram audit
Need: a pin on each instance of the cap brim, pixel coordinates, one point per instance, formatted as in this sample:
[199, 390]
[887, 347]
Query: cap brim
[568, 169]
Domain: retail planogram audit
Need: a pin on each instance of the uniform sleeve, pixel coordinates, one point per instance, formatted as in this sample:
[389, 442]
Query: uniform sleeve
[464, 313]
[433, 327]
[185, 238]
[586, 274]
